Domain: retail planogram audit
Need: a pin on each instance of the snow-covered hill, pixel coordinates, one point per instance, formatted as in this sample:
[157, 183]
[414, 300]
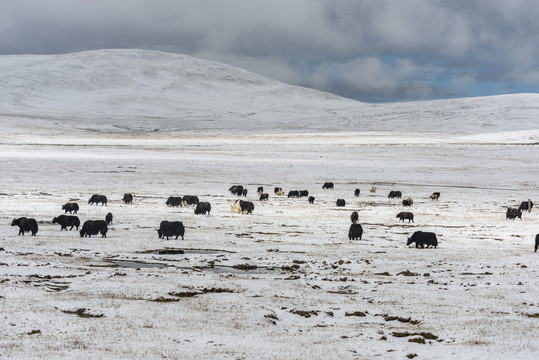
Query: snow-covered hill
[140, 90]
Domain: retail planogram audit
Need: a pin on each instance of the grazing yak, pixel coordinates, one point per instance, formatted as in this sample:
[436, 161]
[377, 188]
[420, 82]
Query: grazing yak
[293, 194]
[278, 191]
[303, 193]
[243, 207]
[244, 192]
[311, 199]
[408, 202]
[128, 198]
[70, 207]
[394, 194]
[354, 217]
[264, 197]
[174, 201]
[189, 200]
[526, 205]
[203, 207]
[405, 215]
[435, 196]
[260, 190]
[94, 227]
[108, 218]
[26, 225]
[422, 238]
[373, 189]
[513, 213]
[341, 202]
[356, 192]
[328, 185]
[536, 242]
[67, 220]
[171, 228]
[96, 199]
[236, 190]
[355, 232]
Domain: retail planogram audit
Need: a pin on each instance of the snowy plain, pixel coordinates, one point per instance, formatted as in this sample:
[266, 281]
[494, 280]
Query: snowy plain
[284, 282]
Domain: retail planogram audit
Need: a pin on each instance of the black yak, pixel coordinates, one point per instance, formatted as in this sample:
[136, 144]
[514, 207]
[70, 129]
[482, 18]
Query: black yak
[405, 215]
[293, 194]
[341, 202]
[355, 232]
[328, 185]
[356, 192]
[94, 227]
[203, 207]
[67, 220]
[174, 201]
[70, 207]
[128, 198]
[171, 228]
[26, 225]
[311, 199]
[526, 205]
[354, 217]
[422, 238]
[96, 199]
[264, 197]
[108, 218]
[236, 190]
[394, 194]
[513, 213]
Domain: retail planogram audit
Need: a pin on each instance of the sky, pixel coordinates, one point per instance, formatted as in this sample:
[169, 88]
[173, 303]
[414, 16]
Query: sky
[369, 50]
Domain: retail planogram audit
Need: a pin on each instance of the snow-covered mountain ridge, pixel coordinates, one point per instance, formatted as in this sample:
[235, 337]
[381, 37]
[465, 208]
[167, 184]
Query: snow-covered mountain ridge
[140, 90]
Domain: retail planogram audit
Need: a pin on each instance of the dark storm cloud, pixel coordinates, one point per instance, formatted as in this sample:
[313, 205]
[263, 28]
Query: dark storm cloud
[383, 49]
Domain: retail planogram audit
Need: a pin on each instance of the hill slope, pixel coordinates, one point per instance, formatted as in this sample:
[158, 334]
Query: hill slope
[140, 90]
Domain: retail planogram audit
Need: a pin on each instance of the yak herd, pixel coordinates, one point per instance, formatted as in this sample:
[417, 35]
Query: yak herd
[169, 229]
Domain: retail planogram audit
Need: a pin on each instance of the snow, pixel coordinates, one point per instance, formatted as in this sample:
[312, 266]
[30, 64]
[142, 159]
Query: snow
[85, 123]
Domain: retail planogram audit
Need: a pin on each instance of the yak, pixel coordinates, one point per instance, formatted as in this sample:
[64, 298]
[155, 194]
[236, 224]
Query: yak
[108, 218]
[96, 199]
[408, 202]
[189, 200]
[174, 201]
[71, 207]
[67, 220]
[236, 190]
[171, 228]
[328, 185]
[264, 197]
[422, 238]
[354, 217]
[435, 196]
[260, 190]
[356, 192]
[394, 194]
[405, 215]
[244, 192]
[303, 193]
[278, 191]
[293, 194]
[526, 205]
[311, 199]
[243, 207]
[373, 189]
[94, 227]
[355, 232]
[203, 207]
[513, 213]
[26, 225]
[128, 198]
[341, 202]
